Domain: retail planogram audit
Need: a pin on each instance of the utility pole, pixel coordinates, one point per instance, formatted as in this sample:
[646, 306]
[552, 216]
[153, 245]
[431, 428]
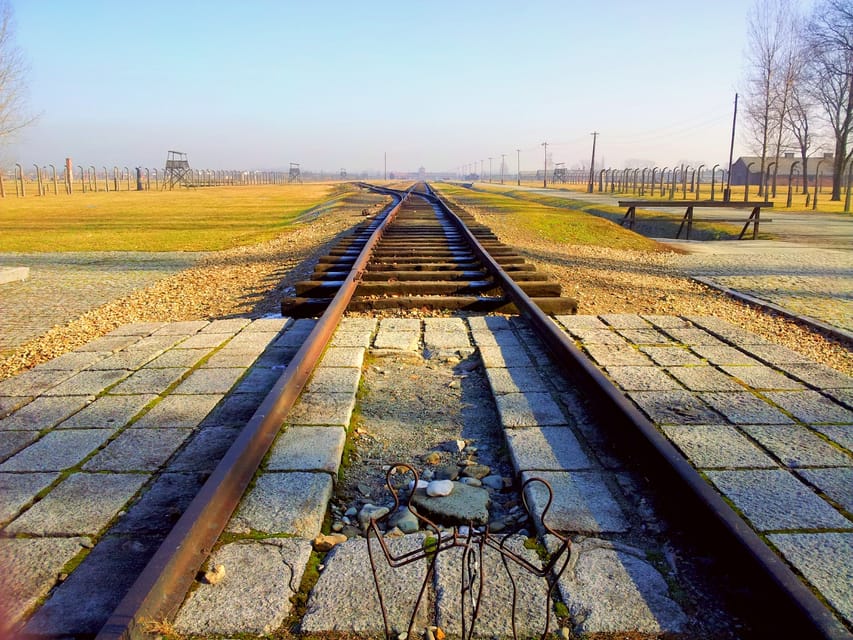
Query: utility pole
[589, 187]
[518, 165]
[481, 170]
[545, 175]
[503, 161]
[728, 193]
[386, 166]
[490, 168]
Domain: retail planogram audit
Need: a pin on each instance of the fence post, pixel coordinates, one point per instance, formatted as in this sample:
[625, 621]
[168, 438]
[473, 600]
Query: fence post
[23, 192]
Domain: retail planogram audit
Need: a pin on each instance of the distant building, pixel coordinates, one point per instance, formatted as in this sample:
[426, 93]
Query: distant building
[739, 168]
[421, 174]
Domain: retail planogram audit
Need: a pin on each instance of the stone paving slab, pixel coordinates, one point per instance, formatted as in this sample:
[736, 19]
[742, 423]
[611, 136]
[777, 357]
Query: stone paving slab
[79, 607]
[155, 343]
[184, 328]
[203, 450]
[148, 381]
[494, 619]
[160, 506]
[138, 450]
[268, 325]
[254, 596]
[345, 600]
[397, 340]
[723, 354]
[798, 446]
[323, 408]
[205, 340]
[762, 378]
[483, 338]
[19, 490]
[82, 504]
[234, 411]
[108, 412]
[837, 484]
[137, 329]
[546, 449]
[251, 341]
[110, 343]
[504, 356]
[8, 404]
[514, 380]
[702, 378]
[744, 408]
[292, 503]
[717, 446]
[229, 358]
[209, 381]
[645, 336]
[582, 502]
[178, 412]
[528, 410]
[75, 360]
[607, 355]
[826, 560]
[131, 360]
[57, 450]
[228, 325]
[334, 380]
[304, 448]
[625, 320]
[642, 378]
[674, 407]
[775, 499]
[13, 441]
[88, 383]
[840, 434]
[812, 407]
[42, 413]
[818, 375]
[33, 382]
[259, 380]
[343, 357]
[28, 570]
[177, 359]
[611, 591]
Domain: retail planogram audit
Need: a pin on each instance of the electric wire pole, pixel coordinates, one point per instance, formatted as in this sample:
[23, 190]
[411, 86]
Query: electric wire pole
[503, 162]
[589, 187]
[518, 165]
[490, 168]
[728, 193]
[545, 175]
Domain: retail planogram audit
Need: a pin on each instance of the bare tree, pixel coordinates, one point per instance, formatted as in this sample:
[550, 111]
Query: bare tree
[800, 124]
[769, 34]
[830, 39]
[14, 112]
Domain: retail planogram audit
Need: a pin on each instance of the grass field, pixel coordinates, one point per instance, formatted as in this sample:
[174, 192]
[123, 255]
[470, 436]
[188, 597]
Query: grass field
[558, 222]
[798, 200]
[206, 219]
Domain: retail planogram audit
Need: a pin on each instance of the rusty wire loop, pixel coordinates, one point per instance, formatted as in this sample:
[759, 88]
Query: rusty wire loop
[473, 543]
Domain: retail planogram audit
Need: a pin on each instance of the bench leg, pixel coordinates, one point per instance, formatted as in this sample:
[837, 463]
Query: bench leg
[688, 218]
[754, 219]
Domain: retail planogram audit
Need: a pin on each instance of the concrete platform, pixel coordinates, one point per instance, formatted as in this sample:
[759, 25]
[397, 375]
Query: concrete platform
[13, 274]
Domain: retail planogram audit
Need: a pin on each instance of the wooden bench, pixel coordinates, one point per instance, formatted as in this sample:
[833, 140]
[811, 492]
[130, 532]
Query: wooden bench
[754, 218]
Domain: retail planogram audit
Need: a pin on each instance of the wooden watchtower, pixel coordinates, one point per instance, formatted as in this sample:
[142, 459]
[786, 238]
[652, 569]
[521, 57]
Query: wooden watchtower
[177, 170]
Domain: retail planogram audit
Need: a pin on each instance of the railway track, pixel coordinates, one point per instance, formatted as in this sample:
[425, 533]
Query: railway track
[419, 255]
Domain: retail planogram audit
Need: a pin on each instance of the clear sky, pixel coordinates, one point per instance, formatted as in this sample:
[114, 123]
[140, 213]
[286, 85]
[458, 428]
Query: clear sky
[259, 84]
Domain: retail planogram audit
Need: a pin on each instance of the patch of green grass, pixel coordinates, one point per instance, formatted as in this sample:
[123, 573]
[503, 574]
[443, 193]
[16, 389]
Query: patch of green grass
[555, 219]
[182, 220]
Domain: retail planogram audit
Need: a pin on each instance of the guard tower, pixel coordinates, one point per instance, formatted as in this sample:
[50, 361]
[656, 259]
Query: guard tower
[295, 175]
[177, 170]
[561, 174]
[343, 174]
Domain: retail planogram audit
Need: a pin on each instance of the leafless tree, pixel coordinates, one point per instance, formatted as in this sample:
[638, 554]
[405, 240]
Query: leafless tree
[769, 38]
[830, 40]
[14, 111]
[800, 123]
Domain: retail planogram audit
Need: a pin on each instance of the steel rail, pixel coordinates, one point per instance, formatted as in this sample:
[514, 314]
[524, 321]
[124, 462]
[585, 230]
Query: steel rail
[815, 618]
[161, 587]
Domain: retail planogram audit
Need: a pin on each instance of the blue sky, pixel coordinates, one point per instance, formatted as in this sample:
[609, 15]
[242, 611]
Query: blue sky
[332, 85]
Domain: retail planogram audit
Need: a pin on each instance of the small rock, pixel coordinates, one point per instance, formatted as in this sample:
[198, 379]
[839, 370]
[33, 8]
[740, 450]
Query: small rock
[422, 484]
[87, 543]
[215, 576]
[427, 474]
[351, 512]
[493, 482]
[447, 472]
[432, 458]
[464, 530]
[368, 512]
[346, 520]
[403, 636]
[478, 471]
[471, 482]
[438, 488]
[455, 384]
[497, 526]
[351, 532]
[62, 577]
[428, 634]
[320, 567]
[565, 633]
[394, 533]
[454, 446]
[404, 520]
[325, 543]
[337, 526]
[439, 634]
[364, 490]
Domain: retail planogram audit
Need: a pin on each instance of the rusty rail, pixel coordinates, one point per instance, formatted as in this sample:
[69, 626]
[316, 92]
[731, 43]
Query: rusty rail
[162, 585]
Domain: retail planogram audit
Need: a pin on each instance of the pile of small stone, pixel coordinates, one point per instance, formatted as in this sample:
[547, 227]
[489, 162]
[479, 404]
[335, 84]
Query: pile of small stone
[449, 492]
